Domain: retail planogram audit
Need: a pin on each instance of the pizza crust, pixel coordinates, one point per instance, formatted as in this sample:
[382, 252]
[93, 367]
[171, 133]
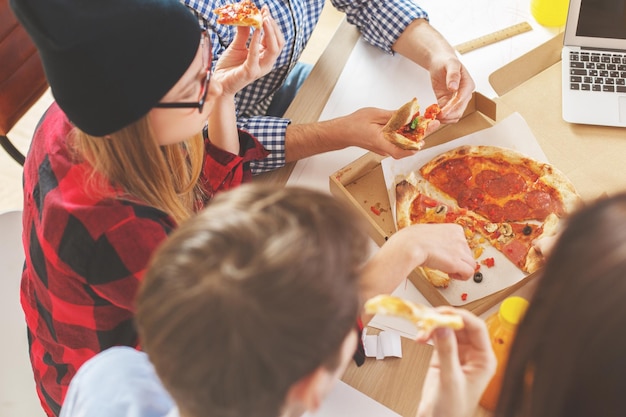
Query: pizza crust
[437, 278]
[425, 318]
[535, 259]
[406, 191]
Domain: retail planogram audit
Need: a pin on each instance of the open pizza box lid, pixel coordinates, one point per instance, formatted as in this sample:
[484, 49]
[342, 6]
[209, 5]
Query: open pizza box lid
[591, 156]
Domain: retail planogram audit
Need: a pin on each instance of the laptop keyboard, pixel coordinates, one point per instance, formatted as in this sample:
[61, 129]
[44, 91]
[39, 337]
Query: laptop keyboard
[597, 71]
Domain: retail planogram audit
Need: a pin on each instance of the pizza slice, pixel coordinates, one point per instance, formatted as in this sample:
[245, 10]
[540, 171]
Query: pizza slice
[244, 13]
[407, 127]
[425, 318]
[436, 277]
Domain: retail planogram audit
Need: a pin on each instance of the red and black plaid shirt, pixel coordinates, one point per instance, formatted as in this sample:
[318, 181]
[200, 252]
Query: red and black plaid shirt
[85, 255]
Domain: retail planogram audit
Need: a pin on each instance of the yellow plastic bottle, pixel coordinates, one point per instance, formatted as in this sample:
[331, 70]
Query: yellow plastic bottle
[551, 13]
[502, 326]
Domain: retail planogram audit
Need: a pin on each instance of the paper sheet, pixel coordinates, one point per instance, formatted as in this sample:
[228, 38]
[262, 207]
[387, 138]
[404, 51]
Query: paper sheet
[382, 345]
[370, 79]
[345, 401]
[514, 133]
[374, 79]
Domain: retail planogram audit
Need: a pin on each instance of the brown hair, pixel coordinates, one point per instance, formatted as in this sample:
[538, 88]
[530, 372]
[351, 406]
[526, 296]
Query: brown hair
[569, 356]
[165, 177]
[250, 296]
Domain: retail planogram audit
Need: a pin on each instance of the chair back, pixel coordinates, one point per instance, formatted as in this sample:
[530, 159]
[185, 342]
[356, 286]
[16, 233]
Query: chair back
[22, 78]
[17, 386]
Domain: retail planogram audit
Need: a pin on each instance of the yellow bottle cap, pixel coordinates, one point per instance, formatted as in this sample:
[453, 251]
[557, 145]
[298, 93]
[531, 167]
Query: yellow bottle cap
[513, 309]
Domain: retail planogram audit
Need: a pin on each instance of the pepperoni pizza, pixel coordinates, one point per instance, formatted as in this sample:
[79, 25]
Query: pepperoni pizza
[499, 196]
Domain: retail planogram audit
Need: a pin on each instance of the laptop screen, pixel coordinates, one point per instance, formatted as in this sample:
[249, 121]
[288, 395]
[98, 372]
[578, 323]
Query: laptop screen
[602, 19]
[597, 24]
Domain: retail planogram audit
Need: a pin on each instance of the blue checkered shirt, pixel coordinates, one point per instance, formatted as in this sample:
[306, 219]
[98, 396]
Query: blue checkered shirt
[380, 21]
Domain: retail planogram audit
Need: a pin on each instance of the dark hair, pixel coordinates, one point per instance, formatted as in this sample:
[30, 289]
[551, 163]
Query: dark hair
[250, 296]
[569, 356]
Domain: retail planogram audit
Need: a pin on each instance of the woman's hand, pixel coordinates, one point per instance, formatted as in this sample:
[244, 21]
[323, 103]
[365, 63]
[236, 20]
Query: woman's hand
[462, 365]
[241, 64]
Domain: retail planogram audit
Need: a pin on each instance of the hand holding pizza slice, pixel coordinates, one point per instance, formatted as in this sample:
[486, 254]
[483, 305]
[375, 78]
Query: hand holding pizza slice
[407, 127]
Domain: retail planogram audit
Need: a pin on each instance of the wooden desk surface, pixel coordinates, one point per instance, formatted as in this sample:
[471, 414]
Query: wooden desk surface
[396, 382]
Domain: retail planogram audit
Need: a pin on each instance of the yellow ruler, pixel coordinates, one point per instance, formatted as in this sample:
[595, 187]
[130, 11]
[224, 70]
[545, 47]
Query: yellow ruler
[494, 37]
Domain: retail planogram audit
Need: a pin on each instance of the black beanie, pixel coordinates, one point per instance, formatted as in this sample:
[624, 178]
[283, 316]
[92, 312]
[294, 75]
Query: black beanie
[108, 62]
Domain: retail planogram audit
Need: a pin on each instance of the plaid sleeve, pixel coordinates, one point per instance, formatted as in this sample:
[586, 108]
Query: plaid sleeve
[381, 22]
[223, 170]
[202, 8]
[270, 132]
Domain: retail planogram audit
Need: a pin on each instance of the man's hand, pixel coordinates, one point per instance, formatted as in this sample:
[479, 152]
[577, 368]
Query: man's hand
[452, 84]
[453, 87]
[364, 128]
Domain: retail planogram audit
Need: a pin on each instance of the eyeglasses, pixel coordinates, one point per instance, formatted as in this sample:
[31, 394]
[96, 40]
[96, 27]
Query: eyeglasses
[205, 43]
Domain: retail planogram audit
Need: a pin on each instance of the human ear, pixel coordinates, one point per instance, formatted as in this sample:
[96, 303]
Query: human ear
[310, 390]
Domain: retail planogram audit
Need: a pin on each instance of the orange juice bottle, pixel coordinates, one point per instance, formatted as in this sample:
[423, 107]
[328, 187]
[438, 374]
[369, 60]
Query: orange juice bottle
[502, 326]
[549, 12]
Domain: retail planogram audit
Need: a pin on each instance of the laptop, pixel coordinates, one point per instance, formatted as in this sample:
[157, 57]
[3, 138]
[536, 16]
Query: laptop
[594, 63]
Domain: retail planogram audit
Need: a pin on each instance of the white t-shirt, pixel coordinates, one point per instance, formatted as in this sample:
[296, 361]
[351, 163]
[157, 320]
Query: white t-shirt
[119, 382]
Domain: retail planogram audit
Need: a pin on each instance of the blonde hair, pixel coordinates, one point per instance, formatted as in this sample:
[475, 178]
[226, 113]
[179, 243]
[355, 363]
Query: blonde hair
[165, 177]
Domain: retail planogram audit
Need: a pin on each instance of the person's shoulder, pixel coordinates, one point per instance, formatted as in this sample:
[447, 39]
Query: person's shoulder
[55, 116]
[50, 138]
[122, 360]
[122, 373]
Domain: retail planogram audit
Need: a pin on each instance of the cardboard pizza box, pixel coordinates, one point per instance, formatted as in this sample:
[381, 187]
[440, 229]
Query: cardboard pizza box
[591, 156]
[362, 184]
